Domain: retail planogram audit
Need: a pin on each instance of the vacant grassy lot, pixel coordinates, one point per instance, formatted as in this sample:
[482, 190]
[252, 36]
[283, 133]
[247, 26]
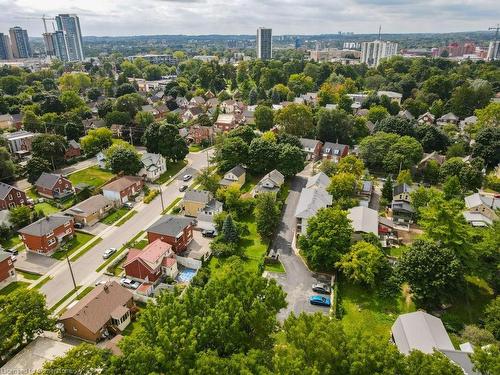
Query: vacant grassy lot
[12, 287]
[172, 170]
[93, 176]
[76, 242]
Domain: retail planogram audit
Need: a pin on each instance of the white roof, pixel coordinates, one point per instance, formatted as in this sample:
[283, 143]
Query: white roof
[477, 219]
[311, 200]
[390, 94]
[477, 199]
[318, 180]
[420, 331]
[364, 219]
[225, 118]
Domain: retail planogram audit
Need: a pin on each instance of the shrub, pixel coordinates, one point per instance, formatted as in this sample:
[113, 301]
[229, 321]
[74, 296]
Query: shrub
[150, 196]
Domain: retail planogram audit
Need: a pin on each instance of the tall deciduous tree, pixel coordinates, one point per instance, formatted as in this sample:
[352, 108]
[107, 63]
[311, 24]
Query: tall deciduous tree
[50, 147]
[82, 359]
[296, 119]
[230, 152]
[122, 157]
[267, 214]
[96, 140]
[290, 159]
[363, 263]
[35, 167]
[165, 139]
[263, 118]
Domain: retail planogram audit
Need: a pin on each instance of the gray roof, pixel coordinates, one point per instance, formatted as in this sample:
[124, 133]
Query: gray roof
[5, 189]
[170, 225]
[367, 186]
[309, 143]
[275, 176]
[311, 200]
[201, 196]
[406, 114]
[47, 180]
[320, 179]
[401, 188]
[333, 148]
[17, 135]
[90, 205]
[477, 199]
[45, 225]
[449, 117]
[237, 171]
[151, 161]
[477, 219]
[213, 206]
[364, 219]
[4, 255]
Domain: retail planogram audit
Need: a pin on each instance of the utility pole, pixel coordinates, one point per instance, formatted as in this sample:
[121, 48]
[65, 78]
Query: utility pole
[70, 269]
[496, 28]
[161, 197]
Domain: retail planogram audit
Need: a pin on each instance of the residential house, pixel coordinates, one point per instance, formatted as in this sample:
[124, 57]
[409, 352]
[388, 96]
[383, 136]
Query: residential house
[370, 126]
[162, 110]
[365, 192]
[270, 183]
[174, 230]
[11, 196]
[402, 210]
[319, 180]
[426, 118]
[334, 151]
[154, 165]
[44, 236]
[468, 121]
[19, 142]
[212, 103]
[198, 134]
[6, 122]
[312, 147]
[406, 115]
[449, 118]
[91, 210]
[226, 122]
[197, 101]
[235, 176]
[311, 200]
[93, 123]
[51, 185]
[17, 120]
[7, 270]
[426, 333]
[232, 106]
[101, 160]
[74, 150]
[394, 96]
[195, 201]
[122, 189]
[117, 130]
[150, 109]
[154, 262]
[107, 309]
[248, 117]
[426, 158]
[182, 102]
[481, 209]
[191, 113]
[205, 217]
[364, 220]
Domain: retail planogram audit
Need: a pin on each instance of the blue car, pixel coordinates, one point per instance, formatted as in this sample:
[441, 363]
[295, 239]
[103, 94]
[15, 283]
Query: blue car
[320, 301]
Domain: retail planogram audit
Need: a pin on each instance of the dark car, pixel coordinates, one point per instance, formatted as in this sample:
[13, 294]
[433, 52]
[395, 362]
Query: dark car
[321, 288]
[320, 301]
[78, 225]
[209, 233]
[12, 251]
[183, 188]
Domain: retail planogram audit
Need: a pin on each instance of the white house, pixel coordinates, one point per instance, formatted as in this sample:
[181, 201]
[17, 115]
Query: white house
[311, 200]
[270, 183]
[154, 165]
[101, 160]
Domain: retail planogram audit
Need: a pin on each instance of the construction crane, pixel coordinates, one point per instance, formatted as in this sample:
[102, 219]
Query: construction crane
[496, 28]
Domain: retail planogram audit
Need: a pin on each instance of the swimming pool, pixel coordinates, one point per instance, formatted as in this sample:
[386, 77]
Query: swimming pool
[185, 275]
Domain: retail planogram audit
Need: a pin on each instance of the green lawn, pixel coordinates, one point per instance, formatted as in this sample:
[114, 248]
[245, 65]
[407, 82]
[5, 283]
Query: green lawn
[45, 280]
[85, 249]
[278, 268]
[195, 148]
[125, 219]
[28, 275]
[46, 208]
[114, 216]
[250, 182]
[13, 287]
[468, 308]
[76, 242]
[172, 170]
[397, 251]
[141, 244]
[171, 205]
[93, 176]
[10, 242]
[84, 292]
[364, 309]
[64, 299]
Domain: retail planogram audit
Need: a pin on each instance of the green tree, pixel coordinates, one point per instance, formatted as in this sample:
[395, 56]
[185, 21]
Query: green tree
[327, 238]
[263, 118]
[487, 145]
[488, 116]
[20, 216]
[123, 158]
[487, 360]
[418, 363]
[208, 180]
[374, 148]
[32, 123]
[124, 89]
[334, 126]
[35, 167]
[82, 359]
[262, 155]
[300, 83]
[342, 188]
[96, 140]
[244, 132]
[165, 139]
[71, 100]
[404, 177]
[452, 188]
[230, 152]
[377, 113]
[74, 130]
[290, 159]
[117, 117]
[430, 173]
[229, 231]
[431, 138]
[296, 119]
[469, 97]
[363, 263]
[396, 125]
[492, 317]
[130, 103]
[422, 196]
[50, 147]
[432, 272]
[22, 315]
[143, 119]
[267, 214]
[387, 189]
[328, 167]
[152, 72]
[10, 84]
[7, 166]
[404, 154]
[77, 82]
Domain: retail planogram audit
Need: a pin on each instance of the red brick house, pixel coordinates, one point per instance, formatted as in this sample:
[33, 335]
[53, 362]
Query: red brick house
[334, 151]
[46, 235]
[74, 150]
[7, 271]
[174, 230]
[52, 185]
[197, 134]
[11, 197]
[226, 122]
[122, 189]
[152, 263]
[312, 147]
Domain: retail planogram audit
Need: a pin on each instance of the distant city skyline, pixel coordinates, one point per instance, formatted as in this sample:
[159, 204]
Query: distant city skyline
[197, 17]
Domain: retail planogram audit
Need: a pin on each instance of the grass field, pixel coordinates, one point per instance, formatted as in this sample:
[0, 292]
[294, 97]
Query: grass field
[85, 249]
[195, 148]
[46, 208]
[28, 275]
[64, 299]
[278, 268]
[76, 242]
[10, 242]
[123, 220]
[250, 182]
[84, 292]
[172, 170]
[114, 216]
[171, 205]
[93, 176]
[12, 287]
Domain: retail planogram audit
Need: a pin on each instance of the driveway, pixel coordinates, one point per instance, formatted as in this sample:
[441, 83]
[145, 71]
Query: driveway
[297, 280]
[32, 262]
[198, 247]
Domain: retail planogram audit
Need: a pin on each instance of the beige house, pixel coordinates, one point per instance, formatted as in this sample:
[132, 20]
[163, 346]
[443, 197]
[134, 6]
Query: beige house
[234, 176]
[194, 201]
[481, 209]
[91, 210]
[6, 121]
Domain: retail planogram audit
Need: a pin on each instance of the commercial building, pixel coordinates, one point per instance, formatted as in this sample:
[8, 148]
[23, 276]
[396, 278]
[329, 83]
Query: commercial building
[264, 43]
[21, 48]
[69, 24]
[494, 51]
[373, 52]
[155, 59]
[5, 49]
[55, 45]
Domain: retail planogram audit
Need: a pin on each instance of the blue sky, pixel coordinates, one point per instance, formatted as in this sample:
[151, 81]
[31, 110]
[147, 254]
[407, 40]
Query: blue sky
[139, 17]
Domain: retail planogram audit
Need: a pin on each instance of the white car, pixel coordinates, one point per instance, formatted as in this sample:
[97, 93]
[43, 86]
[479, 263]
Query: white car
[109, 252]
[187, 177]
[101, 282]
[127, 283]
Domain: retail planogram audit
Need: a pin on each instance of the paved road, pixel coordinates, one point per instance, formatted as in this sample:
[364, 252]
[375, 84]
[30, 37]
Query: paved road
[84, 268]
[298, 279]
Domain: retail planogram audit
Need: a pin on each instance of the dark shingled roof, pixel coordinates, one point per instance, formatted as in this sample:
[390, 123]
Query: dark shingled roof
[4, 189]
[45, 225]
[47, 180]
[170, 225]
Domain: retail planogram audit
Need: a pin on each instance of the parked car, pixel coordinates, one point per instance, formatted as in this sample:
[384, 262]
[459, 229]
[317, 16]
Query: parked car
[100, 282]
[127, 283]
[12, 251]
[320, 301]
[128, 205]
[211, 233]
[187, 177]
[13, 258]
[183, 188]
[109, 252]
[321, 288]
[78, 225]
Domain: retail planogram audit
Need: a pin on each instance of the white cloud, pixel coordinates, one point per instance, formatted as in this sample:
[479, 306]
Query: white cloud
[132, 17]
